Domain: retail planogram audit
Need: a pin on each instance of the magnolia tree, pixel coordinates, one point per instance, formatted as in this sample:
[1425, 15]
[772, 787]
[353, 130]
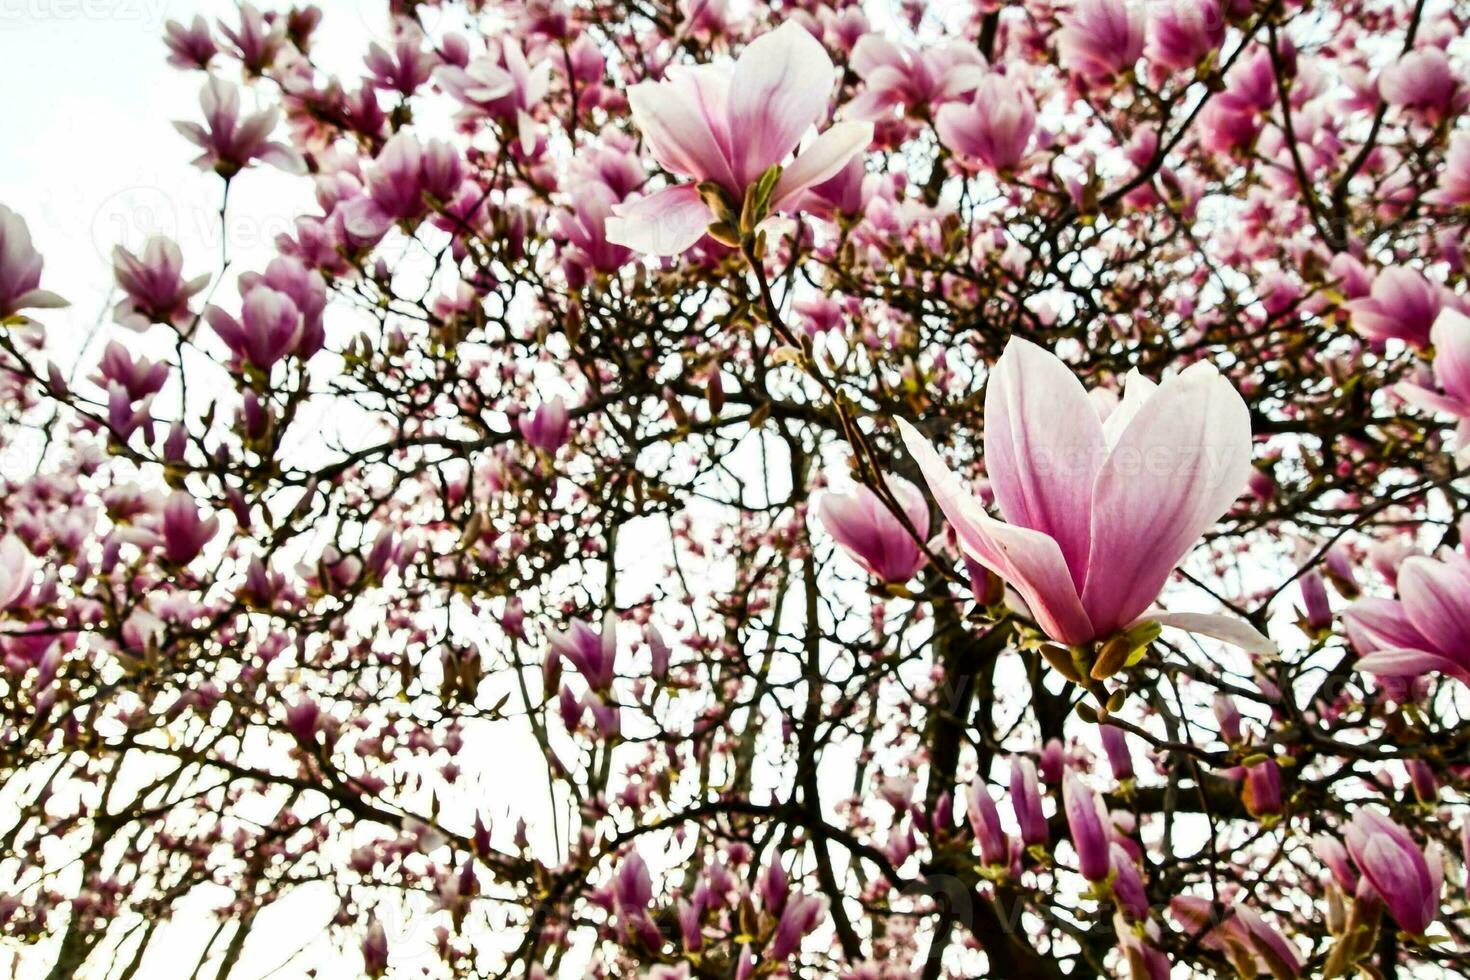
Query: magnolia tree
[795, 489]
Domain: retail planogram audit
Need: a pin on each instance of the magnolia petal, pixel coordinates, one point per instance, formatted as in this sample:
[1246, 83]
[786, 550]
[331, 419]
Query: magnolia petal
[666, 222]
[1375, 624]
[1043, 447]
[1029, 561]
[526, 128]
[1137, 390]
[1431, 401]
[1436, 599]
[39, 299]
[1404, 662]
[284, 158]
[1180, 463]
[677, 128]
[779, 89]
[1451, 338]
[822, 160]
[873, 51]
[1228, 629]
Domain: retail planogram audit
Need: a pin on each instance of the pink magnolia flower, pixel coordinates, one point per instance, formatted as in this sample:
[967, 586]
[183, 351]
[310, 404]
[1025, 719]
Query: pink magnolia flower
[820, 314]
[727, 127]
[1454, 180]
[995, 128]
[269, 327]
[802, 914]
[156, 289]
[1115, 746]
[844, 193]
[375, 950]
[1128, 887]
[1100, 503]
[1426, 629]
[303, 720]
[1088, 823]
[1101, 38]
[593, 653]
[1450, 336]
[584, 230]
[258, 39]
[872, 536]
[20, 269]
[501, 84]
[984, 818]
[1182, 34]
[406, 177]
[16, 567]
[1145, 960]
[1026, 802]
[307, 290]
[1262, 791]
[1252, 944]
[189, 47]
[229, 143]
[632, 894]
[1227, 128]
[1402, 305]
[1316, 606]
[710, 16]
[917, 79]
[406, 67]
[1424, 84]
[185, 532]
[547, 428]
[1407, 880]
[138, 378]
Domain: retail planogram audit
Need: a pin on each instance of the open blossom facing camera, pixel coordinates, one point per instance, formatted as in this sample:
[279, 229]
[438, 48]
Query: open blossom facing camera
[154, 285]
[1100, 504]
[724, 128]
[875, 539]
[917, 80]
[995, 128]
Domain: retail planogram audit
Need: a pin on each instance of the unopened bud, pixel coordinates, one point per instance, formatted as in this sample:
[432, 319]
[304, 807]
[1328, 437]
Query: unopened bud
[1111, 658]
[724, 233]
[1061, 660]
